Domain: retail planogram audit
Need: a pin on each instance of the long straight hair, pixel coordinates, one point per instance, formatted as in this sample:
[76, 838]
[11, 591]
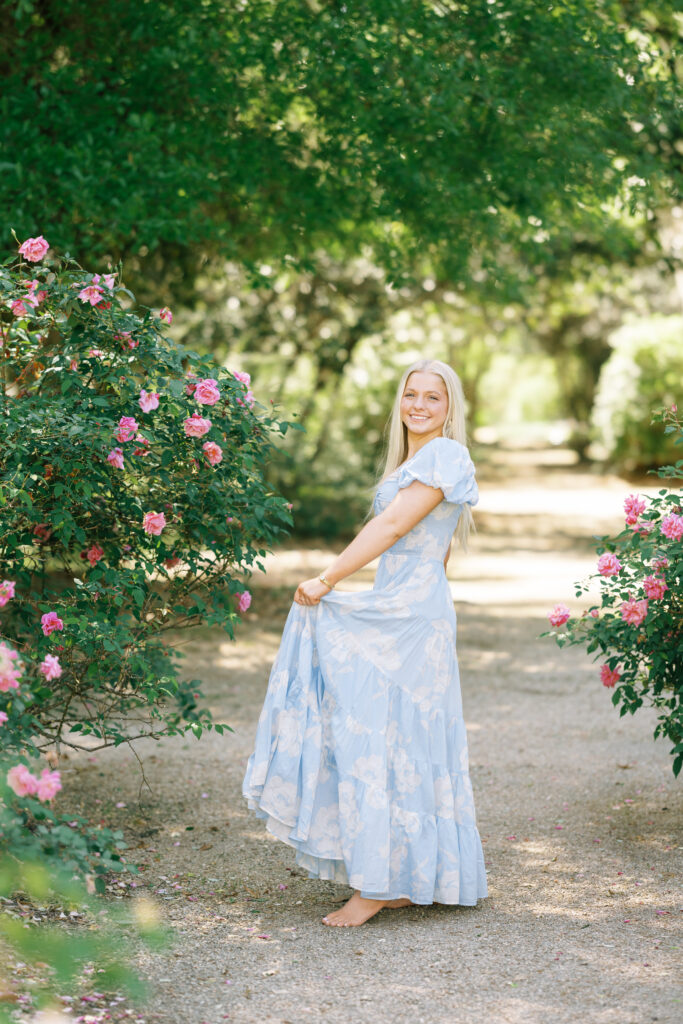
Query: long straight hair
[453, 427]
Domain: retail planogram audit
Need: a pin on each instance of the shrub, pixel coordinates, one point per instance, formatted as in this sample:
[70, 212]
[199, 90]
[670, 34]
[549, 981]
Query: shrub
[644, 370]
[638, 626]
[132, 503]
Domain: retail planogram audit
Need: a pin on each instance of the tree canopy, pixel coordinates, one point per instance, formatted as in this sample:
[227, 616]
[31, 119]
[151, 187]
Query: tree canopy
[460, 136]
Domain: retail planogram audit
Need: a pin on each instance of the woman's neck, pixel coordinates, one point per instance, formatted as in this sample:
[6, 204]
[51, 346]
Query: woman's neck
[416, 441]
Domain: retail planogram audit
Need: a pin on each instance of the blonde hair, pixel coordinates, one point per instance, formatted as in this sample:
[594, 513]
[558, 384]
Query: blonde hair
[453, 427]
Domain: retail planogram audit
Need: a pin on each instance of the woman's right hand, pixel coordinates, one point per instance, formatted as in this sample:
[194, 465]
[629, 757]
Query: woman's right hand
[310, 591]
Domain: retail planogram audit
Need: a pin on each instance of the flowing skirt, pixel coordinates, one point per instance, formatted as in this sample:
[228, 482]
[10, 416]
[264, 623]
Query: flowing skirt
[360, 757]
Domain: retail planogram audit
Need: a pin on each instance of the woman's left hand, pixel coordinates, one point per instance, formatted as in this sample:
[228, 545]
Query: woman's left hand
[310, 591]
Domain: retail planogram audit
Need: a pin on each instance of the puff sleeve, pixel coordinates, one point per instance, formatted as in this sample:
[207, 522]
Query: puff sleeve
[444, 463]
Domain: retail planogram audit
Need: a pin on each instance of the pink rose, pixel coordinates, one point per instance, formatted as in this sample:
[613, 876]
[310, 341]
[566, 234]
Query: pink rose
[22, 781]
[206, 392]
[608, 564]
[244, 601]
[196, 426]
[6, 591]
[214, 452]
[116, 457]
[241, 376]
[559, 615]
[646, 526]
[18, 308]
[189, 388]
[127, 428]
[50, 622]
[42, 531]
[127, 339]
[633, 611]
[48, 784]
[166, 315]
[108, 279]
[73, 365]
[31, 297]
[50, 667]
[33, 249]
[633, 507]
[154, 522]
[655, 587]
[594, 613]
[3, 717]
[92, 293]
[672, 526]
[96, 353]
[94, 554]
[145, 445]
[148, 400]
[609, 676]
[10, 673]
[660, 563]
[248, 399]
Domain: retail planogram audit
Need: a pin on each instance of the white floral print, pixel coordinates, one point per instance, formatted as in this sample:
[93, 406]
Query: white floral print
[360, 755]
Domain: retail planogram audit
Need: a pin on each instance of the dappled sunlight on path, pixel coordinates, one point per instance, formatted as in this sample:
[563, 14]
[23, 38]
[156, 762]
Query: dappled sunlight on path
[577, 809]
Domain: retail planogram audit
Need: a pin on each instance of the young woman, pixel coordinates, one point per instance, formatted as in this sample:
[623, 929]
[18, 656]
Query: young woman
[360, 757]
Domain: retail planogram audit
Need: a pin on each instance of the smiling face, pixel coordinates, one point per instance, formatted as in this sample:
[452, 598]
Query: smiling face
[424, 405]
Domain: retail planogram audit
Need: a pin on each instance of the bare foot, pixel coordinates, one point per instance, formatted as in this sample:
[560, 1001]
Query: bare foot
[358, 910]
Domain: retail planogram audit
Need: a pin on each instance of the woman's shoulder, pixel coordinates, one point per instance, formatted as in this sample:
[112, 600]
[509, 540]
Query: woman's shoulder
[442, 462]
[446, 446]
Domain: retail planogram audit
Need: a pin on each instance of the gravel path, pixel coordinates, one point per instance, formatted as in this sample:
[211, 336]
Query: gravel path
[577, 810]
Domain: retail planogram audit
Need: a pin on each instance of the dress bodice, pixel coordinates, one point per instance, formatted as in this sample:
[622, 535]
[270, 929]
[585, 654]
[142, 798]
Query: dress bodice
[444, 463]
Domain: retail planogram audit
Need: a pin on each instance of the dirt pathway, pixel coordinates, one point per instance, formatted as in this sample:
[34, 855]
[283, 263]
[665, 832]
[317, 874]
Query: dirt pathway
[576, 808]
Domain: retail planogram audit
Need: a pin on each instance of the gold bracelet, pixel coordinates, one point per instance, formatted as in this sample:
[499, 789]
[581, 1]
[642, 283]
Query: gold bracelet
[326, 582]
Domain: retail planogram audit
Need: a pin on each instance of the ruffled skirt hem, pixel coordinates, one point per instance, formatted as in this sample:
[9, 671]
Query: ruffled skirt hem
[464, 893]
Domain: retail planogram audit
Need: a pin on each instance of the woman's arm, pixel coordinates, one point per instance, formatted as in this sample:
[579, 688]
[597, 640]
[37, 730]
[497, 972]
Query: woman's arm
[410, 505]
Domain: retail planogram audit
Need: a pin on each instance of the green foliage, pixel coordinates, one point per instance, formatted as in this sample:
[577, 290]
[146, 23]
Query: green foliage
[638, 626]
[32, 831]
[74, 377]
[645, 369]
[521, 157]
[455, 135]
[91, 939]
[72, 536]
[330, 346]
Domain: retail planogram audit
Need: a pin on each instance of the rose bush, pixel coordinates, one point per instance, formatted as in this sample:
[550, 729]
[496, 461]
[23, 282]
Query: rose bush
[118, 524]
[117, 528]
[637, 628]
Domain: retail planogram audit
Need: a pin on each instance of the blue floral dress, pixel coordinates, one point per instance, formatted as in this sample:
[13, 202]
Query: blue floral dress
[360, 757]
